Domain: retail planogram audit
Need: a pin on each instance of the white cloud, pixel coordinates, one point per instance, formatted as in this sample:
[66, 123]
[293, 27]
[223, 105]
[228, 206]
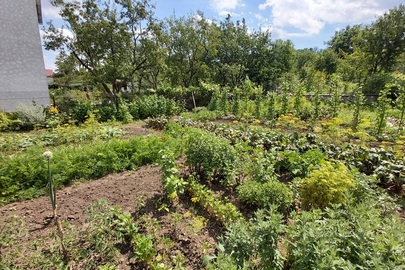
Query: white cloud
[223, 7]
[49, 11]
[310, 16]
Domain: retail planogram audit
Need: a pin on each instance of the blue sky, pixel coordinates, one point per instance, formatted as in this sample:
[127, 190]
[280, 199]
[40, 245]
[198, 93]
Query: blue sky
[307, 23]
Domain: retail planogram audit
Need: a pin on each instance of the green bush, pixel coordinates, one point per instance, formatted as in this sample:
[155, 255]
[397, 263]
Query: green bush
[326, 185]
[266, 195]
[356, 237]
[254, 244]
[152, 106]
[30, 115]
[9, 122]
[212, 157]
[298, 164]
[106, 113]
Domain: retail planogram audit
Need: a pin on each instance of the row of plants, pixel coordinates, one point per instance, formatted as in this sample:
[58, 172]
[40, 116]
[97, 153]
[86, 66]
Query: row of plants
[78, 111]
[14, 142]
[317, 219]
[176, 185]
[23, 175]
[304, 103]
[295, 153]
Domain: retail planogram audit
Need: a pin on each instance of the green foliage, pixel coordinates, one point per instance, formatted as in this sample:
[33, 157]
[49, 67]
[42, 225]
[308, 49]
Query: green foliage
[144, 248]
[354, 237]
[152, 106]
[298, 164]
[25, 175]
[325, 185]
[358, 102]
[210, 156]
[119, 47]
[172, 182]
[81, 111]
[30, 115]
[254, 244]
[382, 109]
[271, 107]
[13, 142]
[7, 123]
[225, 213]
[270, 194]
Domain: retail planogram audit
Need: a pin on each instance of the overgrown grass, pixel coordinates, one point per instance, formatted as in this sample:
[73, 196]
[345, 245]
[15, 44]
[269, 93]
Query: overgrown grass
[24, 175]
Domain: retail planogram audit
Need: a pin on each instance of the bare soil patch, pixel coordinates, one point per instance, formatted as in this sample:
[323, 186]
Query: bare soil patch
[191, 237]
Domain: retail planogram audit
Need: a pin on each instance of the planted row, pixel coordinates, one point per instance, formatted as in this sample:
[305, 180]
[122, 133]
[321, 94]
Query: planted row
[24, 175]
[295, 150]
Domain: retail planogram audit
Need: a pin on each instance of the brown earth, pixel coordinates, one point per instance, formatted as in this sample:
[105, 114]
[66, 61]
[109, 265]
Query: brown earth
[138, 192]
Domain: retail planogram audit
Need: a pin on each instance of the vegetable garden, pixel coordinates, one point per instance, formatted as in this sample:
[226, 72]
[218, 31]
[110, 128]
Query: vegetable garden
[281, 188]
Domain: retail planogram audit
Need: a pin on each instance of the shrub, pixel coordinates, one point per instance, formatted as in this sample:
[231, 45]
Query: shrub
[30, 115]
[106, 113]
[152, 106]
[267, 194]
[298, 164]
[356, 237]
[6, 123]
[254, 244]
[80, 111]
[212, 157]
[326, 185]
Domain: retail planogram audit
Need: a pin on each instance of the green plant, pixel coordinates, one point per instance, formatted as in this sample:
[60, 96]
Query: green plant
[271, 107]
[212, 203]
[254, 244]
[144, 248]
[285, 91]
[52, 193]
[383, 104]
[172, 182]
[210, 156]
[267, 195]
[356, 236]
[335, 101]
[298, 164]
[325, 185]
[258, 100]
[358, 103]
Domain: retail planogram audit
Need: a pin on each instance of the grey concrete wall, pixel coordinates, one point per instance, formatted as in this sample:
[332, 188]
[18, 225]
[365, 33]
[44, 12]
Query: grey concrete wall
[22, 70]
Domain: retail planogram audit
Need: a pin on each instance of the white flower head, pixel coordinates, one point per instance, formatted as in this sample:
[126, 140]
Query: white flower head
[47, 154]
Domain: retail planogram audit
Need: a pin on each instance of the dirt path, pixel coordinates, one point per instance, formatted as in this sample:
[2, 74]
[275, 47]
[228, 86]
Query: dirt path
[117, 189]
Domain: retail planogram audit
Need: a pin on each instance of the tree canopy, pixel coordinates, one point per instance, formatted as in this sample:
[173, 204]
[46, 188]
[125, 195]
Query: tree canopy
[120, 42]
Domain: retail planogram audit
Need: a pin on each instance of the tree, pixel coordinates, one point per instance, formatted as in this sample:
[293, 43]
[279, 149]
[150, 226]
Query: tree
[108, 38]
[344, 41]
[233, 49]
[190, 48]
[384, 40]
[327, 62]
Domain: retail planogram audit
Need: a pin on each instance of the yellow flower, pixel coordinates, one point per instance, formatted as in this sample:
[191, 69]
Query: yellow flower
[194, 199]
[53, 109]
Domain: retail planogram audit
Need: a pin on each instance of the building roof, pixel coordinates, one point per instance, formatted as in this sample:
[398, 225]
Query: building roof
[48, 73]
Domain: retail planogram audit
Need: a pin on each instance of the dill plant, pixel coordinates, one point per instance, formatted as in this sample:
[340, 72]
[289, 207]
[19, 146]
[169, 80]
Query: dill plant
[325, 185]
